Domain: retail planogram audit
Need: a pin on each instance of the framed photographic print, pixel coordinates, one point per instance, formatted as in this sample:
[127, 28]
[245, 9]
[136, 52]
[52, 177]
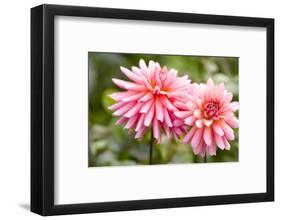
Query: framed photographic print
[139, 109]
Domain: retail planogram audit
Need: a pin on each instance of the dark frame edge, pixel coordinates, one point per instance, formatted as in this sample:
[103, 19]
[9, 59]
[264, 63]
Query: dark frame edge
[36, 110]
[270, 108]
[42, 99]
[162, 16]
[84, 208]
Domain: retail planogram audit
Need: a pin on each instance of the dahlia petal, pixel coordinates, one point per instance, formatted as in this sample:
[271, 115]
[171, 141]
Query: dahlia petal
[226, 143]
[199, 102]
[140, 123]
[190, 105]
[230, 136]
[151, 67]
[190, 120]
[124, 109]
[165, 93]
[198, 149]
[167, 130]
[118, 96]
[116, 106]
[171, 78]
[167, 118]
[199, 90]
[146, 106]
[228, 97]
[151, 64]
[133, 110]
[220, 89]
[181, 85]
[207, 122]
[173, 73]
[219, 141]
[134, 97]
[177, 130]
[128, 85]
[233, 122]
[183, 128]
[212, 150]
[180, 100]
[197, 137]
[131, 122]
[121, 83]
[121, 120]
[217, 129]
[197, 113]
[207, 135]
[143, 67]
[183, 114]
[178, 93]
[180, 105]
[137, 71]
[234, 106]
[210, 83]
[132, 76]
[203, 150]
[147, 85]
[147, 97]
[157, 67]
[189, 135]
[159, 110]
[165, 102]
[156, 129]
[199, 123]
[135, 87]
[140, 132]
[158, 81]
[177, 123]
[227, 115]
[227, 129]
[149, 116]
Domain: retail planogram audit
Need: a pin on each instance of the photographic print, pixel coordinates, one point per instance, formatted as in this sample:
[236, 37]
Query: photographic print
[173, 104]
[162, 109]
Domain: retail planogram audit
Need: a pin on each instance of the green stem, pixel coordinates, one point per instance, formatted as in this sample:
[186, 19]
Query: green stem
[151, 146]
[205, 159]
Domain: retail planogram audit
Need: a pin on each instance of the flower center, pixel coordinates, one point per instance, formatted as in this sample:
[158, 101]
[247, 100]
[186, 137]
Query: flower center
[156, 90]
[211, 109]
[157, 81]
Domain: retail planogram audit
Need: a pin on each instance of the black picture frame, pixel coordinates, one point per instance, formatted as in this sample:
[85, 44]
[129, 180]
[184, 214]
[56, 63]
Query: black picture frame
[42, 109]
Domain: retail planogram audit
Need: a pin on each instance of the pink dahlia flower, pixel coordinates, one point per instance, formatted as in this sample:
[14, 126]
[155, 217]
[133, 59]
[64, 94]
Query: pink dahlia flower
[210, 113]
[150, 99]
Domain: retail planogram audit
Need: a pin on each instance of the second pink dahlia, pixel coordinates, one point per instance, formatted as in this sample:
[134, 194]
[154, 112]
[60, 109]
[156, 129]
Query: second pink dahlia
[150, 99]
[210, 113]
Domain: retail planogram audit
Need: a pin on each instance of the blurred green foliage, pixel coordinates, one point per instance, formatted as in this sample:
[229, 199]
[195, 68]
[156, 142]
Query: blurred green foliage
[111, 145]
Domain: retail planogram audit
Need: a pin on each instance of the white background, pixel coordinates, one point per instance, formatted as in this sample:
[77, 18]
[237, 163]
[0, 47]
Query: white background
[75, 183]
[15, 110]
